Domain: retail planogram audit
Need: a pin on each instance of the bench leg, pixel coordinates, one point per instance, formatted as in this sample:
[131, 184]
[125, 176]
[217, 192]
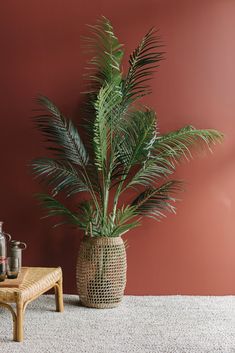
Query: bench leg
[19, 321]
[9, 307]
[59, 296]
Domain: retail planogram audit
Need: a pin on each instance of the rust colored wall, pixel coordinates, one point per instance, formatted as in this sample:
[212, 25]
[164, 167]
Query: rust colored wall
[191, 253]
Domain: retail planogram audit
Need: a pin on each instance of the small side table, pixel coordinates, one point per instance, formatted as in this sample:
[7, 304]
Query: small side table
[38, 280]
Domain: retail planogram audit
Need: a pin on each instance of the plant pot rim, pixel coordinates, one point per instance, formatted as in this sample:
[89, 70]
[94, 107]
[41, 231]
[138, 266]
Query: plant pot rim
[103, 240]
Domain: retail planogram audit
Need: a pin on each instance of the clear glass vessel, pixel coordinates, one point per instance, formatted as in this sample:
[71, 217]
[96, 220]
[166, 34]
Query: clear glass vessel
[3, 252]
[13, 267]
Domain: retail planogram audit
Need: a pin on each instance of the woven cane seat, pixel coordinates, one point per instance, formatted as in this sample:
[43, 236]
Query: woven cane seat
[37, 280]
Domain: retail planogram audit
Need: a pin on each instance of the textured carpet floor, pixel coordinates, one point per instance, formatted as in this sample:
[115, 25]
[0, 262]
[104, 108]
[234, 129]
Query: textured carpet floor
[167, 324]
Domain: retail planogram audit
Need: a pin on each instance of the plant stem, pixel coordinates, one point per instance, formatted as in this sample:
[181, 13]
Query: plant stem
[106, 197]
[92, 190]
[116, 198]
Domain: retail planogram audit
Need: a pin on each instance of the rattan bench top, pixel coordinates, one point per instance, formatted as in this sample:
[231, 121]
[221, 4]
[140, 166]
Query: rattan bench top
[37, 281]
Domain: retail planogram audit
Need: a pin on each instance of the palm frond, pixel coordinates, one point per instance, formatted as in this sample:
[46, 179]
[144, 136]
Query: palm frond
[153, 202]
[107, 101]
[150, 172]
[55, 208]
[177, 144]
[60, 174]
[143, 62]
[89, 218]
[136, 137]
[122, 222]
[61, 132]
[92, 223]
[104, 67]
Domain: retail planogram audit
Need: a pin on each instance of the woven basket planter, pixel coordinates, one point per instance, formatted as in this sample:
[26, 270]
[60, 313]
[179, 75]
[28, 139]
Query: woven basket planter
[101, 271]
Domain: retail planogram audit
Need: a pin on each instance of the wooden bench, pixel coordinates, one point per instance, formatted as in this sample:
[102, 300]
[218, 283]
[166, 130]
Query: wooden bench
[37, 281]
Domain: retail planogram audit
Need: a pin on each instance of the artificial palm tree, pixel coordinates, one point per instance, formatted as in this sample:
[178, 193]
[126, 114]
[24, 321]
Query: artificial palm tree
[124, 149]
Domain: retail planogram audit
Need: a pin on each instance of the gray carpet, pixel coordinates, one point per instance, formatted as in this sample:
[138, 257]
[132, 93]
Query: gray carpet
[167, 324]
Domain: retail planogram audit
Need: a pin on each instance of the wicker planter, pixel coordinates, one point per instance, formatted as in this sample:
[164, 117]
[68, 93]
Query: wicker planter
[101, 272]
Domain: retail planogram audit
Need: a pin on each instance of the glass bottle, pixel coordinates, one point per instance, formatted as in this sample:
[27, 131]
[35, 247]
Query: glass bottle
[3, 252]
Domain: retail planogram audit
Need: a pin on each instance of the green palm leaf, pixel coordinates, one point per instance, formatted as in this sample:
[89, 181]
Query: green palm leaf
[133, 143]
[89, 218]
[150, 172]
[62, 175]
[168, 149]
[143, 61]
[66, 142]
[138, 134]
[61, 132]
[55, 208]
[107, 51]
[107, 102]
[122, 221]
[154, 201]
[177, 144]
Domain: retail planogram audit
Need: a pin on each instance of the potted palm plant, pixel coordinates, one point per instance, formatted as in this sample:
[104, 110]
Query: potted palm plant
[123, 150]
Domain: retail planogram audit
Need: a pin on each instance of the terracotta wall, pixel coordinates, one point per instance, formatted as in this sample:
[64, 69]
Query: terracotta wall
[190, 253]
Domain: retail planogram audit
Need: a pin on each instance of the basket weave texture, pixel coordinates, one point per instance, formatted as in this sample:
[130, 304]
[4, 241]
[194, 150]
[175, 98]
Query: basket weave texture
[37, 280]
[101, 271]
